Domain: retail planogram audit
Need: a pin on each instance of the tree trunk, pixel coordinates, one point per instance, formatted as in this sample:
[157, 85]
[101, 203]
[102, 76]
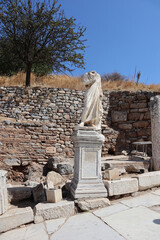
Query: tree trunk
[28, 75]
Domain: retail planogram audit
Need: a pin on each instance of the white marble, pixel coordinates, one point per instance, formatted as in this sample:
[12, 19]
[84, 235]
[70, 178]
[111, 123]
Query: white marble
[139, 223]
[148, 180]
[87, 181]
[155, 130]
[107, 211]
[54, 210]
[15, 217]
[93, 110]
[87, 227]
[3, 192]
[31, 232]
[53, 225]
[147, 200]
[122, 186]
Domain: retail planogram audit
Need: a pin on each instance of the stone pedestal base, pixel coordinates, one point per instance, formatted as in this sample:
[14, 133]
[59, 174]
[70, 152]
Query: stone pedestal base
[87, 181]
[3, 192]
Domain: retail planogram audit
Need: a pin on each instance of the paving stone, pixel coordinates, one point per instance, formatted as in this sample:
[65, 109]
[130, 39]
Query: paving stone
[147, 200]
[15, 217]
[149, 180]
[32, 232]
[54, 225]
[90, 204]
[156, 192]
[122, 186]
[107, 211]
[87, 227]
[54, 210]
[136, 224]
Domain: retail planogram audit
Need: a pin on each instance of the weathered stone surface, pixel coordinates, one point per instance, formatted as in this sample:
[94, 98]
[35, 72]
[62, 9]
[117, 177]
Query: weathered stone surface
[125, 126]
[87, 180]
[147, 200]
[141, 124]
[18, 193]
[54, 195]
[53, 225]
[34, 232]
[39, 193]
[122, 186]
[107, 211]
[85, 226]
[54, 210]
[12, 161]
[118, 116]
[3, 192]
[111, 174]
[55, 178]
[148, 180]
[35, 172]
[64, 168]
[155, 121]
[90, 204]
[15, 217]
[137, 223]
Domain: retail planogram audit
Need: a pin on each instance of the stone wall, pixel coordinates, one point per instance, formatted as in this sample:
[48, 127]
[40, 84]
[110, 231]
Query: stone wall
[38, 123]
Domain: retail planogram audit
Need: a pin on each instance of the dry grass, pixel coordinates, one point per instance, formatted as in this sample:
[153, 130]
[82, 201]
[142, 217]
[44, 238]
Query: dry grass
[64, 81]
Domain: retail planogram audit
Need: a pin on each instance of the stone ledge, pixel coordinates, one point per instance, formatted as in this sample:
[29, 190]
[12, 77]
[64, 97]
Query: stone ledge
[15, 217]
[122, 186]
[148, 180]
[49, 211]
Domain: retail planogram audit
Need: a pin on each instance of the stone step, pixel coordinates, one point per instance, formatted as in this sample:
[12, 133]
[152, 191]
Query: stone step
[47, 211]
[15, 217]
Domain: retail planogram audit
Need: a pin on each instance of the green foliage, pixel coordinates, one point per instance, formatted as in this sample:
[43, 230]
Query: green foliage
[36, 36]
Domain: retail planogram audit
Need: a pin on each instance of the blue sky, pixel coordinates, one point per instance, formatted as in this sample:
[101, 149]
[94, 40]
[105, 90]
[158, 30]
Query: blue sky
[121, 35]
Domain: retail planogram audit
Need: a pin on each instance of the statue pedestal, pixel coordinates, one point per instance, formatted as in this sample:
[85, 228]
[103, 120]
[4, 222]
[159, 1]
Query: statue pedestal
[87, 181]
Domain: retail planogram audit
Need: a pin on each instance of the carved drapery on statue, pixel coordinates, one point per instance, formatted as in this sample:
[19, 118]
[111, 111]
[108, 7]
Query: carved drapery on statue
[92, 113]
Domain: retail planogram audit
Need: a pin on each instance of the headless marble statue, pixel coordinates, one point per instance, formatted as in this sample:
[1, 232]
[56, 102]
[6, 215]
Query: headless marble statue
[92, 112]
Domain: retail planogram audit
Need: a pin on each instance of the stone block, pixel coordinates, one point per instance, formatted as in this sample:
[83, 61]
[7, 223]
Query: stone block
[18, 193]
[90, 204]
[55, 178]
[148, 180]
[3, 192]
[119, 116]
[15, 217]
[122, 186]
[54, 195]
[125, 126]
[141, 124]
[112, 174]
[39, 193]
[64, 168]
[54, 210]
[12, 161]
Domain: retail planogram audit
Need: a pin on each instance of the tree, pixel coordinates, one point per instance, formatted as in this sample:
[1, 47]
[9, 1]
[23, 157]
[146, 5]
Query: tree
[36, 36]
[115, 76]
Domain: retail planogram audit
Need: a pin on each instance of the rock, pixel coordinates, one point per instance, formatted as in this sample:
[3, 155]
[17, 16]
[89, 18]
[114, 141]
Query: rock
[118, 116]
[55, 178]
[35, 172]
[15, 217]
[12, 161]
[39, 193]
[148, 180]
[64, 168]
[124, 152]
[134, 169]
[112, 174]
[90, 204]
[52, 165]
[18, 193]
[3, 192]
[123, 186]
[54, 210]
